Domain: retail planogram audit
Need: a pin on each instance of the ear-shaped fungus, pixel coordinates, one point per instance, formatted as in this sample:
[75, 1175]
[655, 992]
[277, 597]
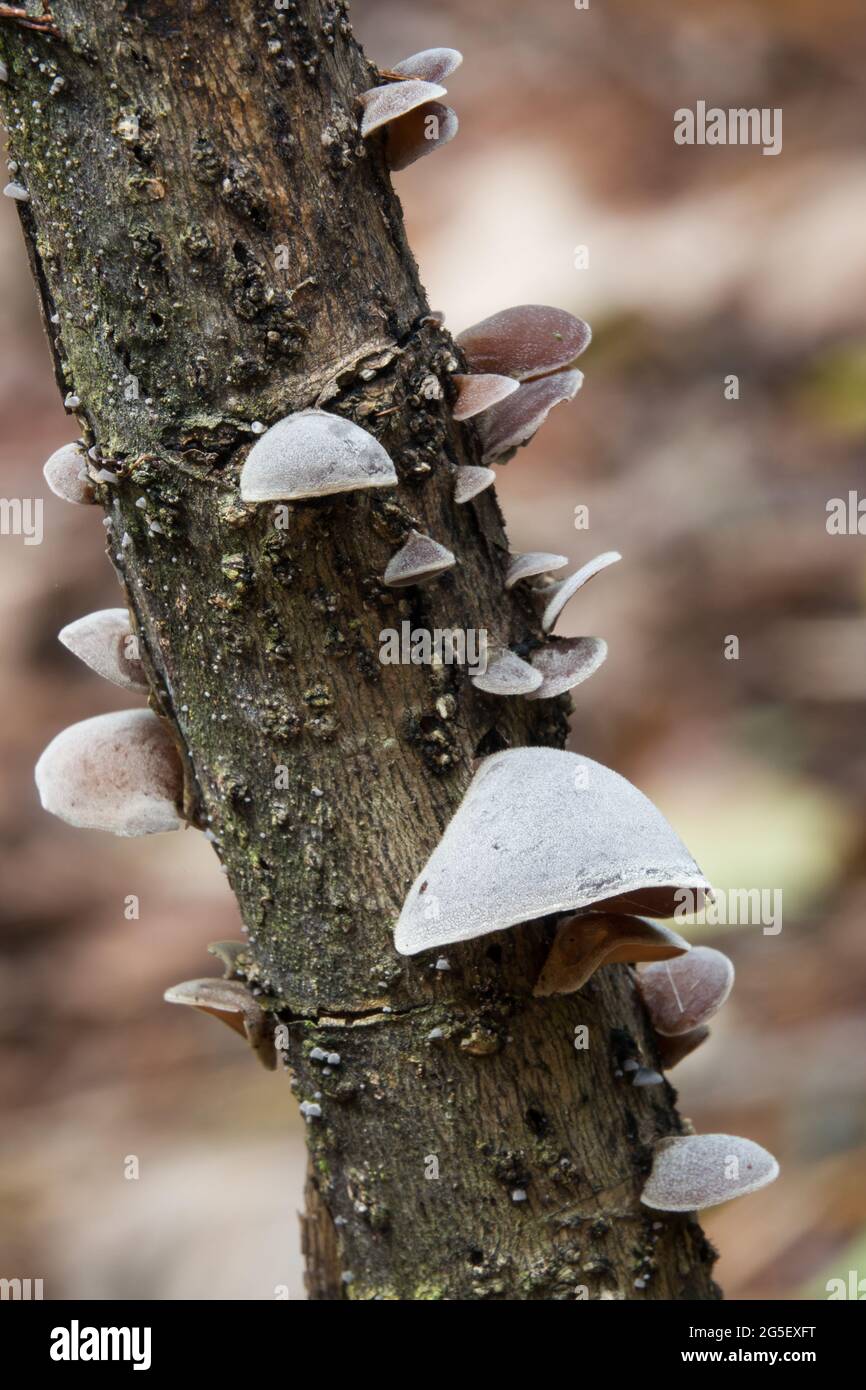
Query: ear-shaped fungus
[66, 474]
[673, 1050]
[515, 420]
[583, 943]
[527, 566]
[683, 996]
[314, 454]
[419, 133]
[529, 340]
[394, 100]
[565, 662]
[118, 772]
[104, 641]
[430, 65]
[556, 596]
[480, 392]
[508, 674]
[541, 831]
[418, 561]
[232, 1003]
[694, 1171]
[469, 481]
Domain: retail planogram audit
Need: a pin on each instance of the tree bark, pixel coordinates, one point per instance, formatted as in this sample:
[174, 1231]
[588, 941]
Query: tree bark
[178, 157]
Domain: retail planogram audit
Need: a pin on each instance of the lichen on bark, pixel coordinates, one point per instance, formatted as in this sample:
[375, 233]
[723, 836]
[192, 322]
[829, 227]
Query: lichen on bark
[215, 246]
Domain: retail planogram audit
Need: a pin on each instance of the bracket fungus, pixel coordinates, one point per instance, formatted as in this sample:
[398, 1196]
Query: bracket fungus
[419, 133]
[480, 392]
[556, 596]
[232, 1003]
[694, 1171]
[583, 943]
[418, 561]
[526, 341]
[515, 420]
[66, 474]
[469, 481]
[541, 831]
[508, 674]
[104, 641]
[117, 772]
[683, 996]
[565, 662]
[314, 454]
[393, 100]
[417, 123]
[430, 65]
[674, 1050]
[533, 563]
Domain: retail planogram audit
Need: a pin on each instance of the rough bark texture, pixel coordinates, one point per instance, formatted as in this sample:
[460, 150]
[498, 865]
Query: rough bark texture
[178, 156]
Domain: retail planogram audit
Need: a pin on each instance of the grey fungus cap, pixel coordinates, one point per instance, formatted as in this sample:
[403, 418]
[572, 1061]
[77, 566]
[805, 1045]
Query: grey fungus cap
[117, 772]
[314, 454]
[694, 1171]
[418, 561]
[104, 641]
[542, 831]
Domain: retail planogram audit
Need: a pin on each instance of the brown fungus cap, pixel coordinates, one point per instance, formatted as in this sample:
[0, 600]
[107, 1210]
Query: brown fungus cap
[681, 997]
[480, 392]
[233, 1004]
[419, 133]
[529, 340]
[583, 943]
[674, 1050]
[513, 422]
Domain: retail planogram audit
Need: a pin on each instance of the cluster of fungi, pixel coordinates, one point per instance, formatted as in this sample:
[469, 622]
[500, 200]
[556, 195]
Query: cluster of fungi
[540, 833]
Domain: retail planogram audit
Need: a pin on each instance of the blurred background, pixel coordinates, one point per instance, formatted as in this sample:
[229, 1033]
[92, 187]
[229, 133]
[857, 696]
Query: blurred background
[703, 262]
